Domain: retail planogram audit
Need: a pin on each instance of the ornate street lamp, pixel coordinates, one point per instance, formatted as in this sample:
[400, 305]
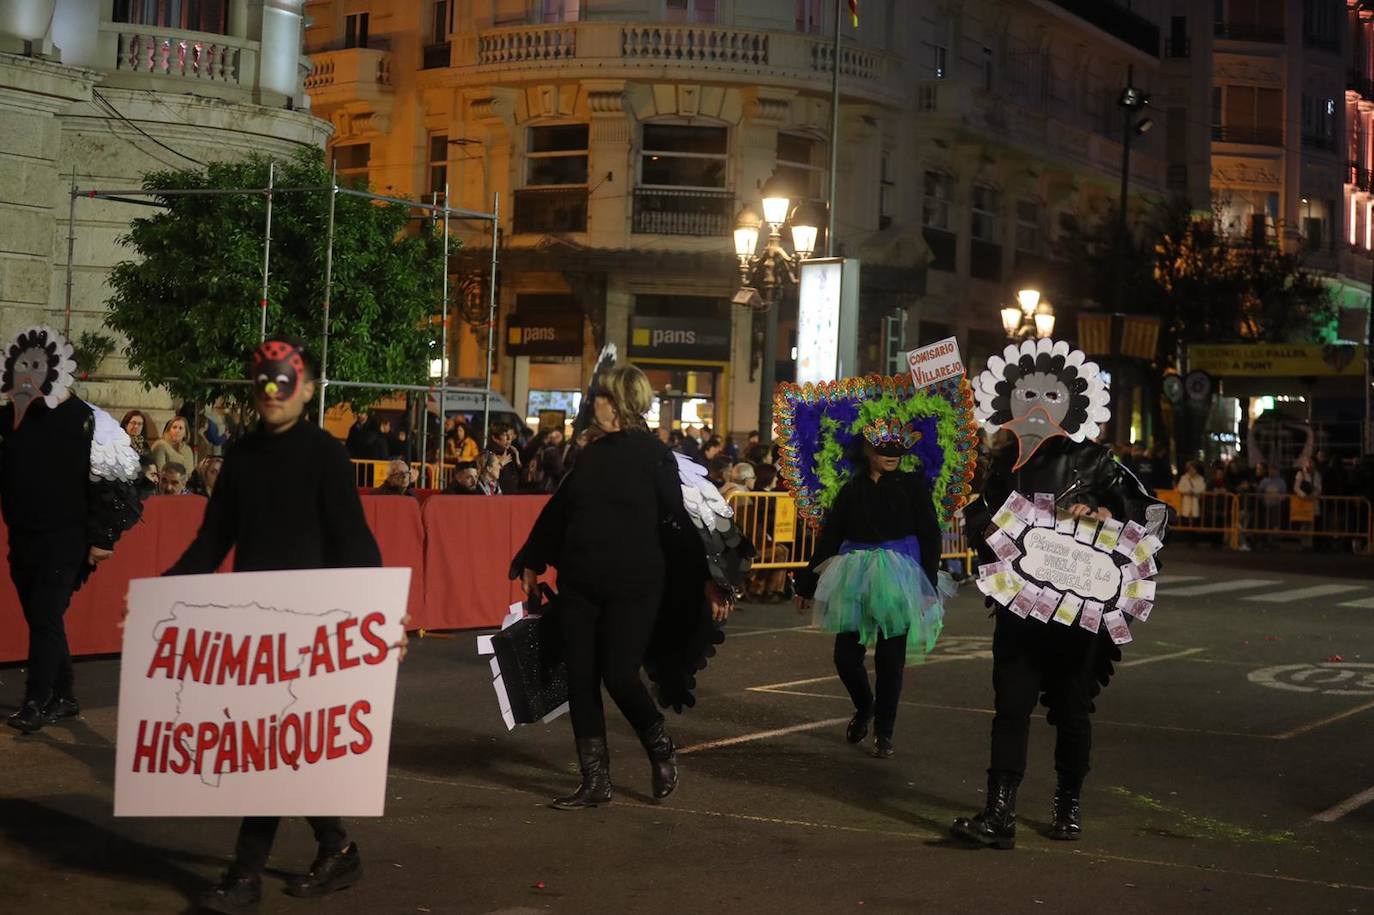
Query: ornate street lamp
[1030, 318]
[765, 275]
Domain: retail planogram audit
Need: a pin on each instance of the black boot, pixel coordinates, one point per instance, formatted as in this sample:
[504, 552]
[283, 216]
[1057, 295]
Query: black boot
[331, 871]
[662, 759]
[1068, 816]
[596, 776]
[236, 892]
[60, 707]
[858, 725]
[996, 825]
[29, 718]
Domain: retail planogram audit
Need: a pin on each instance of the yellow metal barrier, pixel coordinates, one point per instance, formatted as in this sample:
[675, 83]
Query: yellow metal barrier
[1267, 518]
[1204, 513]
[785, 541]
[371, 474]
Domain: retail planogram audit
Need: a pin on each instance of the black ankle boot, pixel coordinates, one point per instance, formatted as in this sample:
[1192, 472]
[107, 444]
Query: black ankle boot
[995, 827]
[61, 707]
[234, 894]
[596, 776]
[662, 759]
[1068, 816]
[29, 718]
[331, 871]
[858, 726]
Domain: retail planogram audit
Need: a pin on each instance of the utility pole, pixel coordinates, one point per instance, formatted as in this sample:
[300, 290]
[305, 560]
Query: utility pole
[834, 136]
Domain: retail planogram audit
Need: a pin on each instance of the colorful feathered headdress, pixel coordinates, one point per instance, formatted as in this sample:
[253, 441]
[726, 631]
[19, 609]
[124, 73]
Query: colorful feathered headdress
[818, 425]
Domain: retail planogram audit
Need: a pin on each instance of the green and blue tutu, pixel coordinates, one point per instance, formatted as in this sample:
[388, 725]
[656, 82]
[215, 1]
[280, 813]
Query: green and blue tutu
[879, 590]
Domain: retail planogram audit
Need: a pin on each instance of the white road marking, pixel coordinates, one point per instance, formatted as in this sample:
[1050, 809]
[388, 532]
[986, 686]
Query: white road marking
[1283, 597]
[1217, 587]
[761, 735]
[1161, 657]
[1349, 805]
[1365, 604]
[741, 633]
[1175, 579]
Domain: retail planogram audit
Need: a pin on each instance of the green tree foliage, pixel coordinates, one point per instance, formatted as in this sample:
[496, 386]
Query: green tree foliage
[1204, 287]
[188, 303]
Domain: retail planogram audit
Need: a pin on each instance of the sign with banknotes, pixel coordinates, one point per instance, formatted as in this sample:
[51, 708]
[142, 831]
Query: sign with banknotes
[1054, 567]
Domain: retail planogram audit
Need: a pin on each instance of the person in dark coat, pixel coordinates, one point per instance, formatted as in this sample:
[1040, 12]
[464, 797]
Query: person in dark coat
[1054, 403]
[285, 472]
[604, 531]
[68, 477]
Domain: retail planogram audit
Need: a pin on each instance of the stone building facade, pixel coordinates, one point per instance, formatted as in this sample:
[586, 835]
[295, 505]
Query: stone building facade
[99, 92]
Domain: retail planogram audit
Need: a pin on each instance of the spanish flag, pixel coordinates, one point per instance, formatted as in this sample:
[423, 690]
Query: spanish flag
[854, 13]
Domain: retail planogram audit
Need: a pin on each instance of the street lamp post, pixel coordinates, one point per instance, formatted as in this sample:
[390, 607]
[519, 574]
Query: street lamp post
[1130, 101]
[765, 275]
[1029, 319]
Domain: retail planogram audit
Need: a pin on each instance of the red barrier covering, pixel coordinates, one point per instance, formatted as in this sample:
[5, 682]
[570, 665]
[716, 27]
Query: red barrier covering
[395, 522]
[471, 540]
[169, 525]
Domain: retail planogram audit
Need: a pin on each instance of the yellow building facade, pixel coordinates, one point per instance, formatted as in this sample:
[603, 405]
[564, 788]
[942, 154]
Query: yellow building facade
[622, 136]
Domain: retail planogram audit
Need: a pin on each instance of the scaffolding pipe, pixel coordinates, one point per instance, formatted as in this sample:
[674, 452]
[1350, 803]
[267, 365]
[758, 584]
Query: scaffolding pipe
[267, 249]
[433, 208]
[334, 190]
[192, 192]
[328, 289]
[71, 247]
[491, 316]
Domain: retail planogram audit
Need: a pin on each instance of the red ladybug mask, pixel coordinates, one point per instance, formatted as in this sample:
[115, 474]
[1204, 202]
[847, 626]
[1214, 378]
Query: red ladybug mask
[276, 370]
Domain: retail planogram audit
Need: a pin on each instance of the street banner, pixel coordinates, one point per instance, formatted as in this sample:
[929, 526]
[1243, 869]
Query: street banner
[259, 693]
[1277, 360]
[935, 363]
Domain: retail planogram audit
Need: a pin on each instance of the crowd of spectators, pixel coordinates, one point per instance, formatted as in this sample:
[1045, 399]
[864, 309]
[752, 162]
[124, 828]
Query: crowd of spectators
[1268, 491]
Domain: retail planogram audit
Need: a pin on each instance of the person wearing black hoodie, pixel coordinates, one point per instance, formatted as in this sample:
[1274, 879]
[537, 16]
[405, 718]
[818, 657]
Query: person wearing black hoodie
[286, 499]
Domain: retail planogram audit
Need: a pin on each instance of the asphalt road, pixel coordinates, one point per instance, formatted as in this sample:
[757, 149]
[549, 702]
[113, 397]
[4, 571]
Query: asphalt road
[1233, 772]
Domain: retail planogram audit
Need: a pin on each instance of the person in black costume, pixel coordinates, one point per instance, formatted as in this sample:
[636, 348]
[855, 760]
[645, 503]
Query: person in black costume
[286, 499]
[614, 531]
[1052, 402]
[884, 513]
[67, 491]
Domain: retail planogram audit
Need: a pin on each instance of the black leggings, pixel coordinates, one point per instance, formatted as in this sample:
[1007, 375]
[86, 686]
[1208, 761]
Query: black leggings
[257, 833]
[1031, 659]
[605, 635]
[889, 660]
[44, 566]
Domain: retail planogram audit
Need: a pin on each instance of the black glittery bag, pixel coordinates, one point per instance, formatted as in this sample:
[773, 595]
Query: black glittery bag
[533, 667]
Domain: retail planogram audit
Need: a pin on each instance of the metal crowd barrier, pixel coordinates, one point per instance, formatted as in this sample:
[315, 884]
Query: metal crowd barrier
[785, 541]
[1266, 519]
[371, 474]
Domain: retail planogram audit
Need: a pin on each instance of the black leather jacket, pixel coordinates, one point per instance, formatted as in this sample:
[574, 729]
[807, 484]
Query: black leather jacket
[1082, 472]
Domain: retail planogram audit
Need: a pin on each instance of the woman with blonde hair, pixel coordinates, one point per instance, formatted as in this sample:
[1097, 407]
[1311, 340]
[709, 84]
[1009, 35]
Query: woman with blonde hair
[172, 447]
[631, 574]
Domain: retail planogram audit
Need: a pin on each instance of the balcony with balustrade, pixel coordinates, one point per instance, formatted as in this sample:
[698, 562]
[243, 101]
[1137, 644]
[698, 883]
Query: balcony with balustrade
[615, 50]
[349, 75]
[176, 60]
